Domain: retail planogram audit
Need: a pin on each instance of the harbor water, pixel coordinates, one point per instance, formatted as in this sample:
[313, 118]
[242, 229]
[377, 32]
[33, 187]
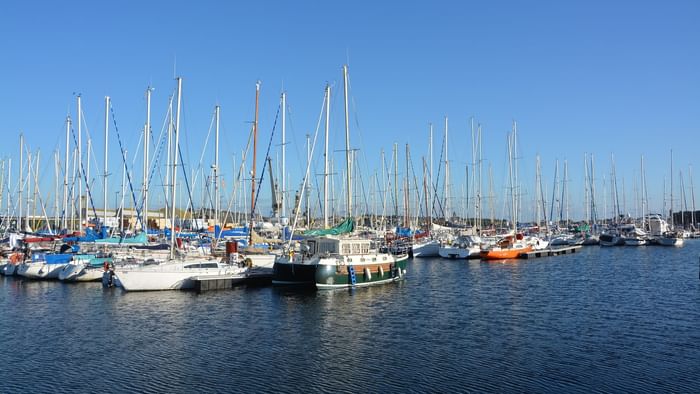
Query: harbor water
[622, 319]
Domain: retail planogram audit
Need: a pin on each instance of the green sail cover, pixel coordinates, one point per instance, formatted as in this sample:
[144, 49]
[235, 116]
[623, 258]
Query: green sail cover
[343, 228]
[583, 228]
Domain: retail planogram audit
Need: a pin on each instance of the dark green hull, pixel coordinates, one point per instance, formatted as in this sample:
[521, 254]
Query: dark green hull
[341, 276]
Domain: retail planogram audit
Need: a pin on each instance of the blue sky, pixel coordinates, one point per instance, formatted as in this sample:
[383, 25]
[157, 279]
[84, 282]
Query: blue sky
[596, 77]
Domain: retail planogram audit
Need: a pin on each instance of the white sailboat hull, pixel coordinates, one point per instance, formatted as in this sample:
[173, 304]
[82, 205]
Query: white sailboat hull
[426, 249]
[670, 241]
[39, 270]
[80, 273]
[452, 252]
[171, 276]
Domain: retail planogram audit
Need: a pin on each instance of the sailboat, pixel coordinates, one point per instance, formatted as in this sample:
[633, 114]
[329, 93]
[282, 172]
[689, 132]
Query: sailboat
[334, 258]
[176, 274]
[512, 245]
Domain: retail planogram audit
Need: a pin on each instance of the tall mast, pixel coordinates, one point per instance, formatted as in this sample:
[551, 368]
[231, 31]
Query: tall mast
[594, 213]
[35, 176]
[80, 166]
[325, 157]
[65, 175]
[408, 188]
[516, 192]
[307, 192]
[9, 187]
[447, 179]
[146, 159]
[217, 112]
[21, 180]
[56, 162]
[396, 183]
[29, 189]
[644, 187]
[255, 148]
[538, 182]
[474, 175]
[174, 174]
[283, 199]
[348, 167]
[692, 197]
[511, 171]
[106, 168]
[87, 177]
[481, 182]
[430, 177]
[169, 152]
[672, 226]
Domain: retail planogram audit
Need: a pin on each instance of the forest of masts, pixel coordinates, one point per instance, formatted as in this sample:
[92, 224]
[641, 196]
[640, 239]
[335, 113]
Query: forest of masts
[403, 191]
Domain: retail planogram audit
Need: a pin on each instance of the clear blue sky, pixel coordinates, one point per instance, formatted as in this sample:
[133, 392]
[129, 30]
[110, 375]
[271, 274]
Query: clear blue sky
[597, 77]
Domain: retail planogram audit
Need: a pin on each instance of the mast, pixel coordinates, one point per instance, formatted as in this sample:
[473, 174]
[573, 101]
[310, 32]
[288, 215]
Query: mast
[447, 179]
[429, 208]
[57, 171]
[106, 168]
[146, 159]
[474, 174]
[80, 167]
[516, 185]
[425, 188]
[348, 167]
[479, 192]
[29, 190]
[283, 200]
[35, 176]
[174, 174]
[9, 187]
[307, 193]
[692, 197]
[325, 157]
[538, 184]
[217, 198]
[511, 172]
[408, 188]
[87, 177]
[168, 160]
[20, 180]
[594, 214]
[396, 183]
[644, 188]
[672, 225]
[255, 148]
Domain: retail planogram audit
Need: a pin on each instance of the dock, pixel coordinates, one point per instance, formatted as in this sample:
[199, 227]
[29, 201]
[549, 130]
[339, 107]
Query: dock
[256, 277]
[550, 252]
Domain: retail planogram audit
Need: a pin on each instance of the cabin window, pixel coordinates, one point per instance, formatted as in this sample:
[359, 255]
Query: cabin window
[203, 265]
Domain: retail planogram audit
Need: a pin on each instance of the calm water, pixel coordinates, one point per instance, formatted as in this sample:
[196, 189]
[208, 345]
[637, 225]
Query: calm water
[608, 320]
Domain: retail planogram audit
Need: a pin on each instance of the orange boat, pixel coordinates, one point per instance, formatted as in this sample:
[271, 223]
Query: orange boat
[504, 253]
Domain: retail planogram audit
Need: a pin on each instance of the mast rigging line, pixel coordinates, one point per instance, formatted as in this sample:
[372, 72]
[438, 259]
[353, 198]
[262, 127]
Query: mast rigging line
[128, 173]
[267, 154]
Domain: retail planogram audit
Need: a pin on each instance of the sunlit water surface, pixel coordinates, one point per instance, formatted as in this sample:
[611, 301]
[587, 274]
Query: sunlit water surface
[605, 319]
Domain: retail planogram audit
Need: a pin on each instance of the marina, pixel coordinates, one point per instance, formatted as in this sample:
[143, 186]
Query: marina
[363, 197]
[619, 319]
